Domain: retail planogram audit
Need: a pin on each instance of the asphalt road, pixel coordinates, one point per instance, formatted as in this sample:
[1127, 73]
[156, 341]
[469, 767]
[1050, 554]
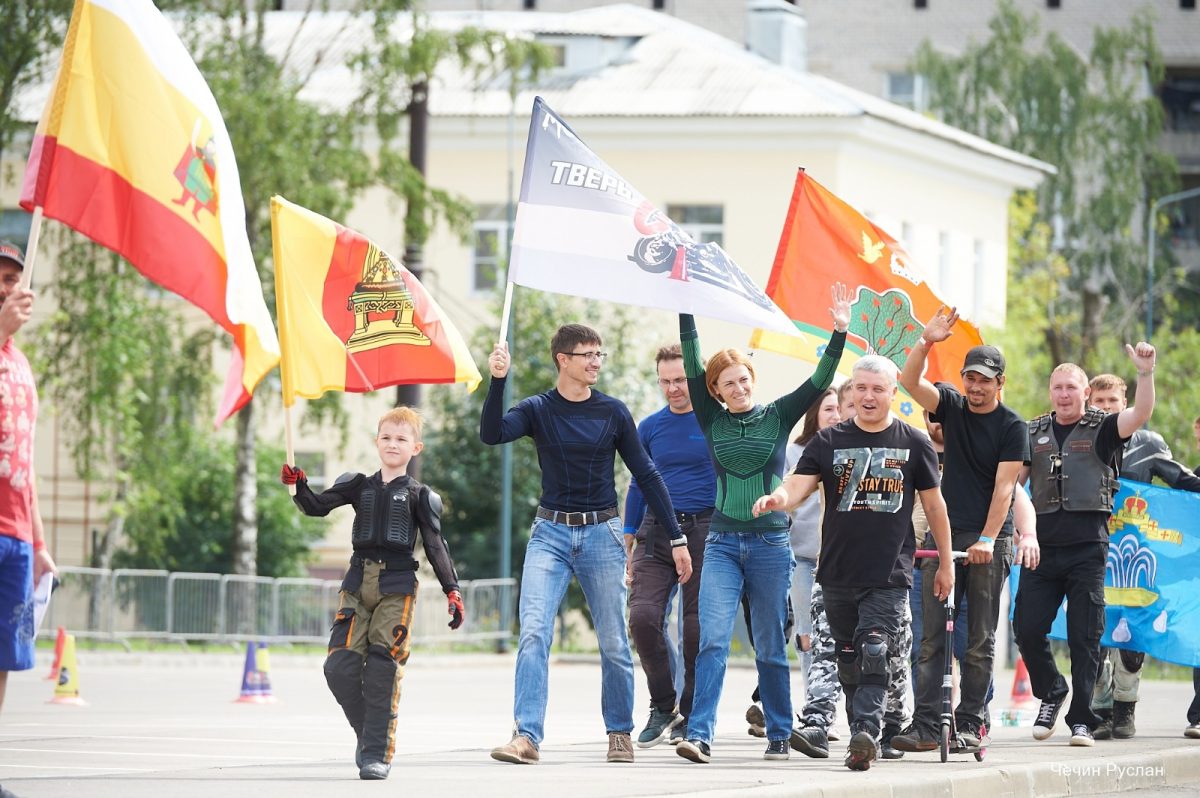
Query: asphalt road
[168, 724]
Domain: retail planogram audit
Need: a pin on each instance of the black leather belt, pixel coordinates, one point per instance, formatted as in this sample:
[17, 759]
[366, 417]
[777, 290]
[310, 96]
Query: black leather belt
[394, 564]
[684, 518]
[576, 519]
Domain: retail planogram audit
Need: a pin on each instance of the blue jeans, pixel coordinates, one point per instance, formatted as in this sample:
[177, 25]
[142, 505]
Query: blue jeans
[759, 563]
[595, 555]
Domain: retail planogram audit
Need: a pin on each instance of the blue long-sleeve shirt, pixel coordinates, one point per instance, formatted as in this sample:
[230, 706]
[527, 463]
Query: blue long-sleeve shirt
[679, 451]
[576, 446]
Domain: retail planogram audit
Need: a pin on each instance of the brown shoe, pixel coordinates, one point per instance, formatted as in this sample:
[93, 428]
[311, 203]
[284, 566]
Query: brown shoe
[520, 750]
[620, 748]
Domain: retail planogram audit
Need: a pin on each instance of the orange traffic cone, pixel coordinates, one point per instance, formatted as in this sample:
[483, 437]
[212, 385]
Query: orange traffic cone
[59, 643]
[67, 689]
[1021, 692]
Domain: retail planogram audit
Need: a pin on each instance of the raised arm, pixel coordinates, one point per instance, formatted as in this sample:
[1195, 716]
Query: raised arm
[919, 388]
[1133, 418]
[496, 426]
[796, 403]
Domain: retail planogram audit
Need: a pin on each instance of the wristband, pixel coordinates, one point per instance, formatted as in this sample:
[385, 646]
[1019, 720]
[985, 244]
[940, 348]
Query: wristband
[679, 541]
[1146, 373]
[985, 539]
[923, 341]
[39, 545]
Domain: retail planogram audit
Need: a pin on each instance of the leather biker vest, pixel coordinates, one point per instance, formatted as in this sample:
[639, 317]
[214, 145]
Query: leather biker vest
[1072, 477]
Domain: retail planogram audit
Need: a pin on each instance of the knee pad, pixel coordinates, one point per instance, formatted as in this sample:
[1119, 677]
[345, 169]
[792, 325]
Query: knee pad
[344, 673]
[848, 670]
[1132, 660]
[379, 672]
[873, 658]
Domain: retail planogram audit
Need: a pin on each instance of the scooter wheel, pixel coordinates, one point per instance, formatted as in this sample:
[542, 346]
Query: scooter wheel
[944, 747]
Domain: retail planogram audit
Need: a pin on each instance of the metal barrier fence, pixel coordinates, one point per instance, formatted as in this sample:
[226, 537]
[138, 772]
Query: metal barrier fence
[126, 604]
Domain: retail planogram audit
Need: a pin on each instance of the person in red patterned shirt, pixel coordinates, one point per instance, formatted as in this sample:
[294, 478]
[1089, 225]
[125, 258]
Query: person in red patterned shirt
[23, 555]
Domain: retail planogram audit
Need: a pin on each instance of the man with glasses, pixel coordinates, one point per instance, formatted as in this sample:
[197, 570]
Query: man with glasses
[674, 441]
[577, 530]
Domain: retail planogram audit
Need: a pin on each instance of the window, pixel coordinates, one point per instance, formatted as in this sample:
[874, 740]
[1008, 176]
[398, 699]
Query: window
[920, 4]
[491, 248]
[1187, 5]
[1180, 96]
[530, 5]
[658, 5]
[14, 227]
[907, 89]
[1053, 3]
[704, 223]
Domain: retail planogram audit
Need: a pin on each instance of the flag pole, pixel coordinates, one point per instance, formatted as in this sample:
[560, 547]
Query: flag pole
[505, 313]
[35, 233]
[288, 442]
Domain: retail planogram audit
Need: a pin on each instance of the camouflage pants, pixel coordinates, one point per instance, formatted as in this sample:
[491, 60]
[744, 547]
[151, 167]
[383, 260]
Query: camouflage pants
[823, 690]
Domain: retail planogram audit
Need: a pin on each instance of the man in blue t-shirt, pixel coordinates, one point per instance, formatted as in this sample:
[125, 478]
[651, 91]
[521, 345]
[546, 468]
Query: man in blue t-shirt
[673, 439]
[577, 530]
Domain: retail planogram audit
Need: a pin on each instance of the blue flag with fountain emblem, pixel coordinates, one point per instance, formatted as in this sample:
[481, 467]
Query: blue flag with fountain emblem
[1152, 581]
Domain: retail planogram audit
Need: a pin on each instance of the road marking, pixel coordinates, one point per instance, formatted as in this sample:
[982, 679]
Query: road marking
[251, 741]
[78, 767]
[145, 753]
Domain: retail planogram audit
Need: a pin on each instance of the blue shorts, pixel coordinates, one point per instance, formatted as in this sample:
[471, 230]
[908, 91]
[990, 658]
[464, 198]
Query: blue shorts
[16, 604]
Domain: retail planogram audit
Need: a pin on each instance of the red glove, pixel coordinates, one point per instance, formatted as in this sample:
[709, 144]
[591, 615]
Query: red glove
[455, 609]
[290, 475]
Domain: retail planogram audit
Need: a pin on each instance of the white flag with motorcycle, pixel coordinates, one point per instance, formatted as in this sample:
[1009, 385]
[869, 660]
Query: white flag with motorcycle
[582, 230]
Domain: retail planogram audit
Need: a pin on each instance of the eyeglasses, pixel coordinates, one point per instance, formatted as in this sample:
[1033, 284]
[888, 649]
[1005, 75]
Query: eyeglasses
[588, 356]
[678, 382]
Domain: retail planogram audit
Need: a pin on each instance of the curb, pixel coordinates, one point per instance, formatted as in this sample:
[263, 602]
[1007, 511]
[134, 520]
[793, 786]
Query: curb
[1171, 767]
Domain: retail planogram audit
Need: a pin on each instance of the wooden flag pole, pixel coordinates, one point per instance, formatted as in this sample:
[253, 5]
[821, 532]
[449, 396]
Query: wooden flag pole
[288, 443]
[504, 314]
[35, 233]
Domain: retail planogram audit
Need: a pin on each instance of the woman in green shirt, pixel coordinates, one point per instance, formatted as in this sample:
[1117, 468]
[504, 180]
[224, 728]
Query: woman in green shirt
[747, 442]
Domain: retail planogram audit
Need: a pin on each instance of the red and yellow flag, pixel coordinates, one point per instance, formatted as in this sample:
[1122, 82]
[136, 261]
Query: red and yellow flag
[350, 317]
[132, 151]
[826, 241]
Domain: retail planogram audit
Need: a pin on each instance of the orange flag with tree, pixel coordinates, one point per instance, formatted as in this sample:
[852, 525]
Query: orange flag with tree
[132, 151]
[350, 317]
[825, 241]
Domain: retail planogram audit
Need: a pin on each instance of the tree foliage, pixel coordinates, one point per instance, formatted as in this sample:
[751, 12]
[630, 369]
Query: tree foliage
[467, 473]
[1097, 122]
[31, 32]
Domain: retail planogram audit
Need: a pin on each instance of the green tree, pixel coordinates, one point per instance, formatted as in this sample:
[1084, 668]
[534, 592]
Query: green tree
[466, 472]
[30, 34]
[1096, 120]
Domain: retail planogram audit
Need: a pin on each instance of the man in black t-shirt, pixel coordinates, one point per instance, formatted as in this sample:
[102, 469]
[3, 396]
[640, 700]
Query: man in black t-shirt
[1075, 455]
[870, 468]
[986, 445]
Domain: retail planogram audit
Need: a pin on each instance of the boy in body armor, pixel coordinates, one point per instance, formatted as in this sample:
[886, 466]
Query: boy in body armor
[368, 646]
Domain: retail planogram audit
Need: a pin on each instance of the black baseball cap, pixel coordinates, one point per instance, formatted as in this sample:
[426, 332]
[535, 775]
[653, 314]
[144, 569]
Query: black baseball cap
[12, 252]
[987, 360]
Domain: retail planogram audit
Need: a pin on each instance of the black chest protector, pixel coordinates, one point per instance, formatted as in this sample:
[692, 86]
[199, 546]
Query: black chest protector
[385, 515]
[1072, 476]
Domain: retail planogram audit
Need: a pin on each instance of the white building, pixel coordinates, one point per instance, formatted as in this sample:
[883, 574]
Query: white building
[703, 128]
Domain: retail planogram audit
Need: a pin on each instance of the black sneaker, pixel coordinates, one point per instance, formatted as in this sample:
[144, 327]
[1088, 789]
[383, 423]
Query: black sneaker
[679, 732]
[776, 749]
[811, 741]
[1047, 716]
[1081, 734]
[969, 734]
[861, 751]
[757, 721]
[886, 751]
[1105, 730]
[915, 739]
[658, 727]
[695, 750]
